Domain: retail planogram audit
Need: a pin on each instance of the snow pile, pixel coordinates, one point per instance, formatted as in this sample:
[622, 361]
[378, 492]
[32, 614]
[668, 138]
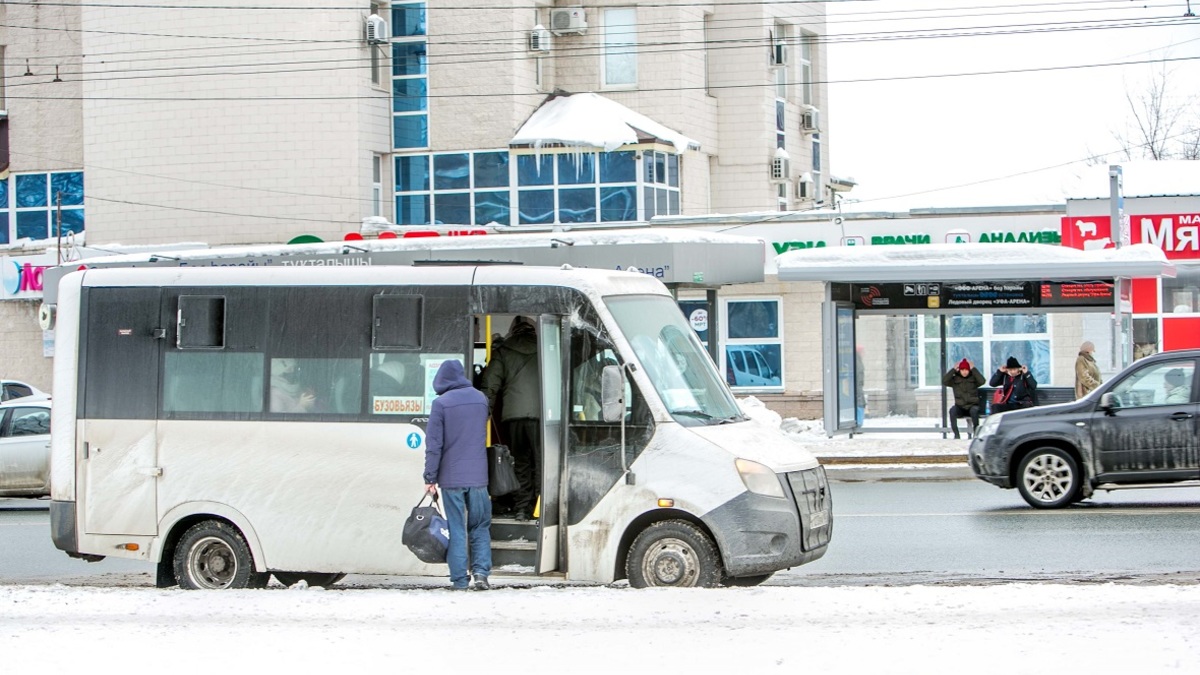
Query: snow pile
[593, 121]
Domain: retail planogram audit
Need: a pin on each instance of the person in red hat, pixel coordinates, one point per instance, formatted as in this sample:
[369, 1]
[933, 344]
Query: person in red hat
[965, 380]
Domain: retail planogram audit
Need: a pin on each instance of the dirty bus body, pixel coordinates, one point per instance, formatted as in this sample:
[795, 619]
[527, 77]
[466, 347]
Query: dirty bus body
[231, 423]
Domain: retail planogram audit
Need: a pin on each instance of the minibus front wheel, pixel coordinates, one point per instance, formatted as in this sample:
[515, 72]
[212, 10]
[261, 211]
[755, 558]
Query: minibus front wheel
[211, 555]
[673, 553]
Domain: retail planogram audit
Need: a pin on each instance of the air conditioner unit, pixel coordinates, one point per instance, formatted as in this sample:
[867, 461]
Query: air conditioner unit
[781, 165]
[377, 30]
[567, 21]
[539, 39]
[779, 50]
[810, 120]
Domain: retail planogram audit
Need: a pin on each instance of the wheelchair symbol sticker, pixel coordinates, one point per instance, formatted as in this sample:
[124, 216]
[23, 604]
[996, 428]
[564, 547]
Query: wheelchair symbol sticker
[413, 440]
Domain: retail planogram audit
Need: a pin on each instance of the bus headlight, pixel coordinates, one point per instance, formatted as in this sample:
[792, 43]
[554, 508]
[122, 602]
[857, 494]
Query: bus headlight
[759, 479]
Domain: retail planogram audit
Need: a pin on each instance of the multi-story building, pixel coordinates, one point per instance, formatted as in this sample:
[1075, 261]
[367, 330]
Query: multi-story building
[233, 125]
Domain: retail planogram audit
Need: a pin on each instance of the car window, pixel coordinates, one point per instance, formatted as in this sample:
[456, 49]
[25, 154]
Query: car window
[1165, 383]
[28, 422]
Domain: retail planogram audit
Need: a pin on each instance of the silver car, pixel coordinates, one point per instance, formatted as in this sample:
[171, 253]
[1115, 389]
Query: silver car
[25, 447]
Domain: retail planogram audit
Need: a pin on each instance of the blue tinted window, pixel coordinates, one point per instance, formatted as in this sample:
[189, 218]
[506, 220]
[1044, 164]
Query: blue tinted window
[577, 205]
[32, 224]
[618, 203]
[536, 207]
[660, 202]
[412, 173]
[492, 207]
[408, 20]
[410, 131]
[408, 94]
[673, 170]
[72, 220]
[576, 169]
[491, 170]
[779, 116]
[412, 210]
[3, 227]
[673, 202]
[70, 185]
[408, 58]
[648, 202]
[618, 167]
[535, 170]
[451, 172]
[4, 194]
[660, 167]
[753, 319]
[452, 208]
[31, 190]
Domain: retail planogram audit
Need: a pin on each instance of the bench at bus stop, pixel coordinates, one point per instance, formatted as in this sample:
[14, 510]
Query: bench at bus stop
[1045, 396]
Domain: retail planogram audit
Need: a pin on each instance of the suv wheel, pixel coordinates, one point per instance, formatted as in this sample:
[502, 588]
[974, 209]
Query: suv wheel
[1048, 478]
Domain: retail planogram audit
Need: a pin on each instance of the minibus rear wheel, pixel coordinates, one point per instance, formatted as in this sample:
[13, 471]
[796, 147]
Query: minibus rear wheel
[673, 553]
[213, 555]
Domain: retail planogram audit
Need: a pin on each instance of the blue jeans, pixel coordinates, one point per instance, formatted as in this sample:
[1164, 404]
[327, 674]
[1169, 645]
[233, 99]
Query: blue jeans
[469, 514]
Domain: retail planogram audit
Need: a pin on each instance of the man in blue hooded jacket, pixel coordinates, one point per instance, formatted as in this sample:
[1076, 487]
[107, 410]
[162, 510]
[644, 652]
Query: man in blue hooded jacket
[456, 461]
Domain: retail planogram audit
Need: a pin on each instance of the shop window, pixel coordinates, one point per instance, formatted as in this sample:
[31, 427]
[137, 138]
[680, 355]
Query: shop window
[753, 343]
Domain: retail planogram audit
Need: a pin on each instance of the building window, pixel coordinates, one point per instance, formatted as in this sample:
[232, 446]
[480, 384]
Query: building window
[376, 185]
[780, 126]
[453, 188]
[29, 205]
[708, 38]
[619, 58]
[779, 60]
[753, 332]
[818, 190]
[987, 340]
[410, 77]
[806, 70]
[660, 187]
[782, 199]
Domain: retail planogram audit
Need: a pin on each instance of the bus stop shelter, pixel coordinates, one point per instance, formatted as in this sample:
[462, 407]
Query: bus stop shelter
[953, 279]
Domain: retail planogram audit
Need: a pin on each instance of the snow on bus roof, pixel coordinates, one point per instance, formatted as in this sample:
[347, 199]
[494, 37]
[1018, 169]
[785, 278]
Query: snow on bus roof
[607, 237]
[992, 261]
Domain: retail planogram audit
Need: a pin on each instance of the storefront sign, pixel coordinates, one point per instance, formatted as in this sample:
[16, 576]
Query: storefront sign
[21, 277]
[1178, 234]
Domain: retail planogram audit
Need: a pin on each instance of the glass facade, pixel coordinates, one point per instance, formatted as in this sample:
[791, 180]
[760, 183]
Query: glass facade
[410, 77]
[29, 205]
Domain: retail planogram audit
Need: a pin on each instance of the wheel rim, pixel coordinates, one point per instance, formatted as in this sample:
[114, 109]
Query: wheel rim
[671, 562]
[212, 563]
[1048, 478]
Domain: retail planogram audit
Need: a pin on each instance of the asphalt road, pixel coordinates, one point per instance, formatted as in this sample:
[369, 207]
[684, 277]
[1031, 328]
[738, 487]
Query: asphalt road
[885, 532]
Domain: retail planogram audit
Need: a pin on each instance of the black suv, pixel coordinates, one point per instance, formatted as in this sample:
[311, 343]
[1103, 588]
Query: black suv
[1140, 429]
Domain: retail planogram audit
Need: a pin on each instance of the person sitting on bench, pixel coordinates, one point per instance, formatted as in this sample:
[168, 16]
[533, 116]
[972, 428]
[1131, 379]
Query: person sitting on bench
[965, 380]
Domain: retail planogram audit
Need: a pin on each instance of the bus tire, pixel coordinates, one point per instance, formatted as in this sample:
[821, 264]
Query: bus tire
[673, 553]
[213, 555]
[321, 579]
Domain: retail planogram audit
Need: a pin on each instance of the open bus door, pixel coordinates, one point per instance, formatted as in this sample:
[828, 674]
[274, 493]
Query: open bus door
[552, 351]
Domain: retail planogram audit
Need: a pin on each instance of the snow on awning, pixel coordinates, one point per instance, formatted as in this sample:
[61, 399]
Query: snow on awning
[591, 120]
[965, 262]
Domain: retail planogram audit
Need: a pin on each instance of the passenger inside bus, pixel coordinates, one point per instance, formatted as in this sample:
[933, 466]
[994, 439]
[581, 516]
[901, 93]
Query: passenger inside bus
[288, 393]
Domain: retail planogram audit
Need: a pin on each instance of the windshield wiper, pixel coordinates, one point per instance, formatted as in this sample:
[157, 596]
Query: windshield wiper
[693, 413]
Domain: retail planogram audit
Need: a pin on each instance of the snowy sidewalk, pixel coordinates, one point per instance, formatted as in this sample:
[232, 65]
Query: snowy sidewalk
[876, 453]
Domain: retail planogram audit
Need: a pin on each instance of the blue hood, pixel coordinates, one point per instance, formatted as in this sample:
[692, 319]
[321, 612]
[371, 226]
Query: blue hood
[449, 376]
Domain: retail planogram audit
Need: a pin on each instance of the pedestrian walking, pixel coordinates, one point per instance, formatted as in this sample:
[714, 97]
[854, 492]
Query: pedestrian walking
[1087, 373]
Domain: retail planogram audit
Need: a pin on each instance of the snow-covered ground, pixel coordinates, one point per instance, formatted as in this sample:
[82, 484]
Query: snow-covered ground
[1023, 628]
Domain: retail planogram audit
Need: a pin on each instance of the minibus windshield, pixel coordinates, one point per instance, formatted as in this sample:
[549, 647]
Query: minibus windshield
[675, 360]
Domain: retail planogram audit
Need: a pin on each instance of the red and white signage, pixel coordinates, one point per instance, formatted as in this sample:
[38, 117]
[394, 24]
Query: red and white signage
[1178, 235]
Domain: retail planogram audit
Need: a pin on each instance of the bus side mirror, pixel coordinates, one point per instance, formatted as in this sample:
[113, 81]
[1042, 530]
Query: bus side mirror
[612, 394]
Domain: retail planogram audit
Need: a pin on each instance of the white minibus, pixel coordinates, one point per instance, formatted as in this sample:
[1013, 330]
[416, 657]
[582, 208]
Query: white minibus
[177, 438]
